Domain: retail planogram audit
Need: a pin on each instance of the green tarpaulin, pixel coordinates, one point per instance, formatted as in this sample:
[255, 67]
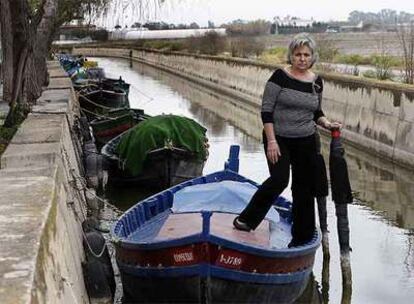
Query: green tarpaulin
[157, 132]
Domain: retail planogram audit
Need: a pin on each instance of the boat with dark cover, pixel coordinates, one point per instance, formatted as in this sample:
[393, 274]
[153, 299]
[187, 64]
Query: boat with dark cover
[159, 152]
[180, 246]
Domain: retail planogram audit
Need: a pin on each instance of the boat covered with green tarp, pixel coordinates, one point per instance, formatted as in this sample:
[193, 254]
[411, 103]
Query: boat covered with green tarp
[161, 151]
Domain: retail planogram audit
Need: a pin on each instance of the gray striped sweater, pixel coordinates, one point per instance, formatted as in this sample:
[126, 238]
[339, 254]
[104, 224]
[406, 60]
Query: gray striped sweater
[291, 104]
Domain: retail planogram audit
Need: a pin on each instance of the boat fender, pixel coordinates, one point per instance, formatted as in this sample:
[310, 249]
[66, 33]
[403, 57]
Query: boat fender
[90, 224]
[92, 202]
[84, 128]
[98, 272]
[89, 148]
[94, 169]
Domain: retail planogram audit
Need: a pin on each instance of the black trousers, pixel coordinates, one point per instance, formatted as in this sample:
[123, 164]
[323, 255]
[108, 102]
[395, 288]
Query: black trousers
[300, 154]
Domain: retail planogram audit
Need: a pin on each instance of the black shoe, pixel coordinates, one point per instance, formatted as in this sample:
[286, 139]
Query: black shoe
[239, 225]
[295, 243]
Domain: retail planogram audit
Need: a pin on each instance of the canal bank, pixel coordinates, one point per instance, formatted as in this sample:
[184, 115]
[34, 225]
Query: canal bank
[41, 209]
[378, 117]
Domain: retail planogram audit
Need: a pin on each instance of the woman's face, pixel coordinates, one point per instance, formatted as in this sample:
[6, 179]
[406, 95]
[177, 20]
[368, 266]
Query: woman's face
[301, 58]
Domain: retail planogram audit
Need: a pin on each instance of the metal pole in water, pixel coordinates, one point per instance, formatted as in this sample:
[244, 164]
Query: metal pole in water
[342, 196]
[321, 192]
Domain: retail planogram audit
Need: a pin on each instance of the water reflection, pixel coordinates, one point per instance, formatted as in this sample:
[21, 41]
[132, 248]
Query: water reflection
[384, 187]
[381, 220]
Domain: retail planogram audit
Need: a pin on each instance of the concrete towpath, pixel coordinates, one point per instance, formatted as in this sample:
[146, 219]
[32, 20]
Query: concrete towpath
[41, 206]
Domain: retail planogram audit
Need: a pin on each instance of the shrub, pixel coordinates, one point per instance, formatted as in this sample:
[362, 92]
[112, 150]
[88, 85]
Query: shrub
[369, 74]
[325, 67]
[246, 47]
[274, 55]
[211, 44]
[354, 59]
[382, 65]
[326, 49]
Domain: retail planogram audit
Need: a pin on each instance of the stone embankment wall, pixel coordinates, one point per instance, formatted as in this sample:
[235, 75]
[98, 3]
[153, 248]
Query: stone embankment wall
[40, 209]
[378, 117]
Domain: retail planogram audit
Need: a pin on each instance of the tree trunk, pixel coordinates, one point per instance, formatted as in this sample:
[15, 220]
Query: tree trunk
[14, 18]
[26, 40]
[7, 50]
[37, 74]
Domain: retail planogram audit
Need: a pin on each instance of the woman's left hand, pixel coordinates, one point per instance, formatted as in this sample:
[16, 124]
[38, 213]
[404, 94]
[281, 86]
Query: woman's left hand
[333, 125]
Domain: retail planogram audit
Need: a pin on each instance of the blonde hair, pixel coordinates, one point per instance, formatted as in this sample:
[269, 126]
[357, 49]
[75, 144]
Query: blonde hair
[299, 40]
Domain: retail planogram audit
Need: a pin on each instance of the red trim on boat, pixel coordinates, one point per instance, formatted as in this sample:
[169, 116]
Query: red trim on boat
[214, 255]
[114, 131]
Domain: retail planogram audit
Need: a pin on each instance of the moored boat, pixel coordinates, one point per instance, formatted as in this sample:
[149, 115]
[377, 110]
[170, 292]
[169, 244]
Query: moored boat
[160, 152]
[114, 122]
[108, 84]
[115, 84]
[180, 246]
[96, 100]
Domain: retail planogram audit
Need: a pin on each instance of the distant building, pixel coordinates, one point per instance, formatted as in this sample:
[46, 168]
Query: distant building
[292, 25]
[79, 31]
[293, 21]
[352, 28]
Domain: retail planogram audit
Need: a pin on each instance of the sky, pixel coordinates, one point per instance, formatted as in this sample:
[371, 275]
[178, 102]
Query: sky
[223, 11]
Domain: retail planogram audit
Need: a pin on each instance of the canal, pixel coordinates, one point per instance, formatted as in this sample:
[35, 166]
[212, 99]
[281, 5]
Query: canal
[381, 217]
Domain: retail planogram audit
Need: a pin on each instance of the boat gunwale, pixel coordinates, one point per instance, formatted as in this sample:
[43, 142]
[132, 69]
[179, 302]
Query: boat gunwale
[109, 92]
[123, 242]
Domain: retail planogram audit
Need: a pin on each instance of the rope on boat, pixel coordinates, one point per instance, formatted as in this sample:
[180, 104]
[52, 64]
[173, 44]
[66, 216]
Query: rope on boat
[73, 183]
[88, 85]
[98, 115]
[107, 205]
[92, 152]
[97, 104]
[146, 95]
[96, 255]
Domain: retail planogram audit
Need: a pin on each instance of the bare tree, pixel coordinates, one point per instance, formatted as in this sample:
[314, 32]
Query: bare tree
[405, 34]
[27, 31]
[327, 48]
[382, 61]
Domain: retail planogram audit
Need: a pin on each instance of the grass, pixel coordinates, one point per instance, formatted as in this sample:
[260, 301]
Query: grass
[373, 60]
[276, 55]
[6, 134]
[164, 45]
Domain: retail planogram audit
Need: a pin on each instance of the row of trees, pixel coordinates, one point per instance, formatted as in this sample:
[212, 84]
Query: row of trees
[27, 30]
[384, 16]
[165, 26]
[248, 28]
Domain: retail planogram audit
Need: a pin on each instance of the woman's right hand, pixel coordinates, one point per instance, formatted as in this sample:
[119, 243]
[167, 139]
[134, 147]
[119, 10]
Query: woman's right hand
[273, 151]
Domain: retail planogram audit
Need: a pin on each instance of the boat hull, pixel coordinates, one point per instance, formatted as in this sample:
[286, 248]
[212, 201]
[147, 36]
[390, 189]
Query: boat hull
[160, 290]
[163, 168]
[199, 271]
[142, 287]
[114, 123]
[106, 129]
[99, 102]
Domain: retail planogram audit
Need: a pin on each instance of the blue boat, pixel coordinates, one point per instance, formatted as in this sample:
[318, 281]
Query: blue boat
[180, 246]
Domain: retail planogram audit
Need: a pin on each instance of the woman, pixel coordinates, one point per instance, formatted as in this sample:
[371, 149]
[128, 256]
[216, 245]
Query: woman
[291, 106]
